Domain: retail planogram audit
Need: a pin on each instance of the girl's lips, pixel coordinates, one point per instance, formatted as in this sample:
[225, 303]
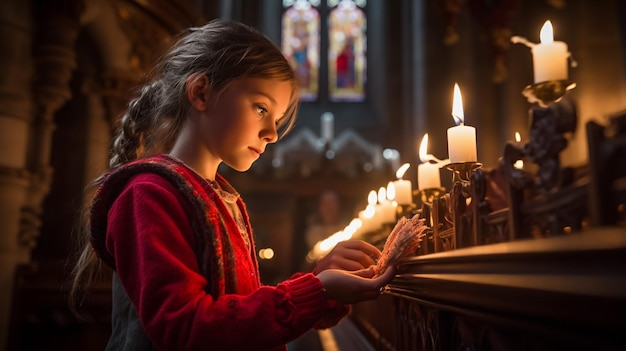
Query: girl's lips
[255, 151]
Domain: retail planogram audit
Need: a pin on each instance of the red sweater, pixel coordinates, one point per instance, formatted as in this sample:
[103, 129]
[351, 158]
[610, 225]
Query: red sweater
[197, 298]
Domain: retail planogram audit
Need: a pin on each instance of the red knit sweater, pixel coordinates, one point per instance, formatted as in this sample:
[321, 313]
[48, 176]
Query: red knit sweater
[147, 233]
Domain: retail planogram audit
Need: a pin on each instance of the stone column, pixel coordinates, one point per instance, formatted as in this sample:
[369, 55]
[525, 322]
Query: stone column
[37, 59]
[15, 117]
[58, 24]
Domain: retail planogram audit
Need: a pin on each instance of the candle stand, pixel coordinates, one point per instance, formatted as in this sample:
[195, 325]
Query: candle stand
[551, 199]
[426, 196]
[425, 202]
[448, 213]
[462, 171]
[545, 93]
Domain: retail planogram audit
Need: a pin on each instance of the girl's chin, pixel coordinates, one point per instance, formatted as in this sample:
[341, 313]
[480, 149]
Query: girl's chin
[241, 167]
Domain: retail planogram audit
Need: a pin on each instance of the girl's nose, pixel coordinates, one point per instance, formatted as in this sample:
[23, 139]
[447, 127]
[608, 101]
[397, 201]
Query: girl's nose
[270, 133]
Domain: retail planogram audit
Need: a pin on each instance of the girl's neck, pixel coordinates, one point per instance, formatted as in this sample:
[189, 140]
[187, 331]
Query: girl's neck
[195, 156]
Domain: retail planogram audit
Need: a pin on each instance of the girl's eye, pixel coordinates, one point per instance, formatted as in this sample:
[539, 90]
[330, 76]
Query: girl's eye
[261, 110]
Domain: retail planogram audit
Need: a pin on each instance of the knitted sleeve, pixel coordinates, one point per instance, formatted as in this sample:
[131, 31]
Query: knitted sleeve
[334, 311]
[149, 236]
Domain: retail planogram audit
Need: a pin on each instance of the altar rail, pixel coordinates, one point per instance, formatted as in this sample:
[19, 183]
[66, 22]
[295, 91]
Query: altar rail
[534, 294]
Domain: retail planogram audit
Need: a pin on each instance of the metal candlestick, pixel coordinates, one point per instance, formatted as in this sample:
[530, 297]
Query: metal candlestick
[427, 195]
[462, 171]
[546, 92]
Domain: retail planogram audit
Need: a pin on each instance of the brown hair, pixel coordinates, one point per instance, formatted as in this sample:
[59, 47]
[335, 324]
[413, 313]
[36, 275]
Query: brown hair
[224, 52]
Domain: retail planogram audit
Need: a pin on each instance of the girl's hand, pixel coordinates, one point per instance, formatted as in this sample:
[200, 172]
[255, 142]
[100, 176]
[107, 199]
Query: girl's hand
[352, 287]
[350, 255]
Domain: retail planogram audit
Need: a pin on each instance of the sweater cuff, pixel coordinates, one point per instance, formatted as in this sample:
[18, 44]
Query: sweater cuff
[307, 292]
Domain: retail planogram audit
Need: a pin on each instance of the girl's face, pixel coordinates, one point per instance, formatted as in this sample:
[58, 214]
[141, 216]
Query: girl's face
[244, 119]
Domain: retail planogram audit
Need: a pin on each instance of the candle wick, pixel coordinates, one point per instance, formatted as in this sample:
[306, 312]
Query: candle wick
[431, 157]
[521, 40]
[457, 118]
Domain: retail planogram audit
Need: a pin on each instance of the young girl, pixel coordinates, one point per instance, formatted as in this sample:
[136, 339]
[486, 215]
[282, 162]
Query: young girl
[178, 236]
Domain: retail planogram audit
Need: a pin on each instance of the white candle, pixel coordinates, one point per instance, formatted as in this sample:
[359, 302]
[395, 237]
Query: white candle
[461, 138]
[327, 122]
[549, 57]
[385, 209]
[403, 188]
[370, 217]
[427, 173]
[366, 219]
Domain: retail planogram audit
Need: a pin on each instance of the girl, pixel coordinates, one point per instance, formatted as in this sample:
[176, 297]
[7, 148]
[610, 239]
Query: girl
[177, 235]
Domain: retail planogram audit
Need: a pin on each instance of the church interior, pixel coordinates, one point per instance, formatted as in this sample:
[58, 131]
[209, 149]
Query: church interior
[525, 204]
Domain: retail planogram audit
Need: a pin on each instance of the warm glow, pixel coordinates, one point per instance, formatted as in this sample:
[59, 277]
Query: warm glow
[337, 237]
[327, 244]
[382, 195]
[423, 149]
[391, 191]
[369, 211]
[356, 223]
[400, 172]
[547, 33]
[266, 254]
[372, 197]
[457, 105]
[518, 138]
[348, 232]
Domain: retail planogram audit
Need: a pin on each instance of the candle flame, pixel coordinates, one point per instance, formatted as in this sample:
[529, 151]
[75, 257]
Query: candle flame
[391, 191]
[547, 33]
[400, 172]
[382, 195]
[457, 106]
[423, 149]
[424, 156]
[518, 138]
[372, 197]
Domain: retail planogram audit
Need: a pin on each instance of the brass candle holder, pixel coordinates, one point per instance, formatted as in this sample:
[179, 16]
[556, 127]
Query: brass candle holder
[546, 92]
[427, 195]
[462, 171]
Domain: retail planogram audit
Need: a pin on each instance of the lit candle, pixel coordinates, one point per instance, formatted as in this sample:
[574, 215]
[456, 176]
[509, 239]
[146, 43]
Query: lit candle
[519, 164]
[385, 209]
[370, 221]
[461, 138]
[403, 188]
[427, 173]
[365, 216]
[549, 57]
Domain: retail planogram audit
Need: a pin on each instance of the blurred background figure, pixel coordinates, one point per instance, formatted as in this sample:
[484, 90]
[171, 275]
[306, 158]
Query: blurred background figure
[327, 220]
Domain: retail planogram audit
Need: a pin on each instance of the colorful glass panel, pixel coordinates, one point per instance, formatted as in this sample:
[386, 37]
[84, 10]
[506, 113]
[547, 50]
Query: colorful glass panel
[346, 53]
[300, 44]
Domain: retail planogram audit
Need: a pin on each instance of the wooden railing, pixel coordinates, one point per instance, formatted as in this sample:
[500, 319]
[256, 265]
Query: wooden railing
[565, 292]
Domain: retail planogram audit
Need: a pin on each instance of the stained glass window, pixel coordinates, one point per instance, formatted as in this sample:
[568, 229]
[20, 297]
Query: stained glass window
[346, 51]
[344, 54]
[300, 44]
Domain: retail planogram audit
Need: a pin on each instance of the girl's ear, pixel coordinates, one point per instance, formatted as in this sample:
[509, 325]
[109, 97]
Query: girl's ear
[198, 90]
